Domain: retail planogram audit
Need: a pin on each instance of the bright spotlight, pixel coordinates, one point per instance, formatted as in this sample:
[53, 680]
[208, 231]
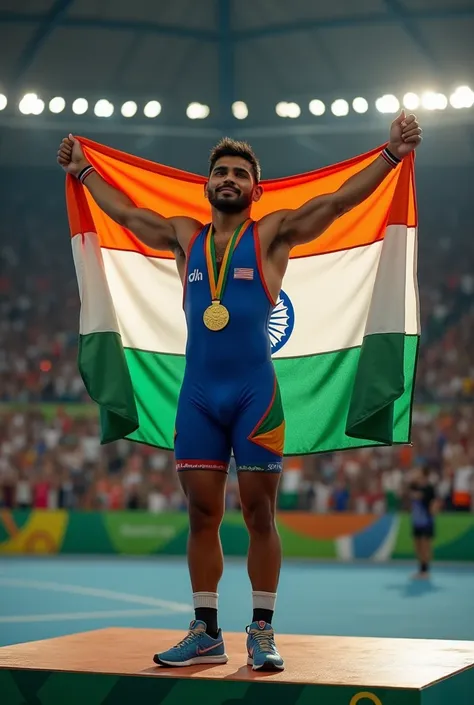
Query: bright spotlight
[288, 110]
[434, 101]
[317, 107]
[411, 101]
[442, 101]
[103, 108]
[129, 109]
[293, 110]
[57, 105]
[152, 109]
[340, 107]
[3, 101]
[387, 104]
[37, 107]
[197, 111]
[80, 106]
[240, 110]
[193, 111]
[27, 103]
[463, 97]
[360, 105]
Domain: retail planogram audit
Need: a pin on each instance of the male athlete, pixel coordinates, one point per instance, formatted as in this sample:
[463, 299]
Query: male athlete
[230, 398]
[424, 505]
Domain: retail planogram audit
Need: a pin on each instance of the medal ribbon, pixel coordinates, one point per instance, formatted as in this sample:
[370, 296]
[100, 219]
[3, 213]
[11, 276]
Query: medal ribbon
[217, 283]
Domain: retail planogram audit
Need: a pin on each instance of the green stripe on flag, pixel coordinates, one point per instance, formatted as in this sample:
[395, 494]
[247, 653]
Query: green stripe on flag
[106, 376]
[379, 382]
[319, 394]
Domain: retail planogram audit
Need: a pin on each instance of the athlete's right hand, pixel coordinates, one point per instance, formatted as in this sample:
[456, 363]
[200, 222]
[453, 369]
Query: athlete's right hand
[71, 157]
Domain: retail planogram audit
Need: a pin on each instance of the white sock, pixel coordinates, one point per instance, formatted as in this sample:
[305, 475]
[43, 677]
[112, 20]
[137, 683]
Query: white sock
[205, 599]
[263, 600]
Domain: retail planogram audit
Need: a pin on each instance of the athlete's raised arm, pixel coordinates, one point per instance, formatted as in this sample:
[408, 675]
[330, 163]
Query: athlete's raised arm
[314, 217]
[150, 227]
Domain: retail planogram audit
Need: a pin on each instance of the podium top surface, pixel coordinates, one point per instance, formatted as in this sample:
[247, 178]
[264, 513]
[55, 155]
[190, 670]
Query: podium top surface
[322, 660]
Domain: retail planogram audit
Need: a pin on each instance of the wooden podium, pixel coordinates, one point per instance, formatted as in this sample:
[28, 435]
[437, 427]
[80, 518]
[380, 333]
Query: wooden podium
[115, 667]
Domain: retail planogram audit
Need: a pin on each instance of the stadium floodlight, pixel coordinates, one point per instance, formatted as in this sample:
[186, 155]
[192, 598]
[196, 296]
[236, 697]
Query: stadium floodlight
[340, 107]
[197, 111]
[27, 103]
[360, 105]
[288, 110]
[152, 109]
[38, 107]
[129, 108]
[3, 101]
[463, 97]
[57, 105]
[293, 110]
[387, 104]
[240, 110]
[103, 108]
[80, 106]
[434, 101]
[317, 107]
[411, 101]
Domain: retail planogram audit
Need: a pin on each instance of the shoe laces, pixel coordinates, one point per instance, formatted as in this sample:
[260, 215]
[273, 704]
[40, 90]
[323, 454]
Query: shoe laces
[191, 636]
[264, 639]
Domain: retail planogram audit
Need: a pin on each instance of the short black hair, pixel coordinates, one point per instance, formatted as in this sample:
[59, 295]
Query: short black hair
[228, 147]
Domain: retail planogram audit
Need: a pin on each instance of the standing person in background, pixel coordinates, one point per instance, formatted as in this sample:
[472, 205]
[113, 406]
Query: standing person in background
[423, 508]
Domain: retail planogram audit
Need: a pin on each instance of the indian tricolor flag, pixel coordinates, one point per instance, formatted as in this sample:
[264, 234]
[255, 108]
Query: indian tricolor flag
[344, 333]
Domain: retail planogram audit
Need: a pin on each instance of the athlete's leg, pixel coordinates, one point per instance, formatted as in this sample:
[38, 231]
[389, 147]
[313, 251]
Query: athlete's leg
[202, 456]
[426, 554]
[422, 544]
[258, 437]
[204, 490]
[202, 453]
[417, 541]
[258, 494]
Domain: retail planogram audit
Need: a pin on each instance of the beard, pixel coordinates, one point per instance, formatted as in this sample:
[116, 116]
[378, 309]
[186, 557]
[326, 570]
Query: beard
[226, 204]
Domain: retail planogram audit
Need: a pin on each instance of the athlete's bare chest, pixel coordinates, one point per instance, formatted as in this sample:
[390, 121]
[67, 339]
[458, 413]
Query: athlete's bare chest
[220, 248]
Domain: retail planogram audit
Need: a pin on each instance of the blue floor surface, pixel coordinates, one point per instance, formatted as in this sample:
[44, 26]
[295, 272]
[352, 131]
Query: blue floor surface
[46, 597]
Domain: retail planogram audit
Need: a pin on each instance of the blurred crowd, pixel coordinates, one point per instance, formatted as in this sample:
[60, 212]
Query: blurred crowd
[51, 457]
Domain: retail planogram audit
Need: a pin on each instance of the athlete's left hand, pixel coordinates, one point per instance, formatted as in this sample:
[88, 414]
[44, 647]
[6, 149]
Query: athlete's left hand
[405, 135]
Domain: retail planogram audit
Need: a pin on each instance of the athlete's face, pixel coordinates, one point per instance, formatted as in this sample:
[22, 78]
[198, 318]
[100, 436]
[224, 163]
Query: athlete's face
[231, 187]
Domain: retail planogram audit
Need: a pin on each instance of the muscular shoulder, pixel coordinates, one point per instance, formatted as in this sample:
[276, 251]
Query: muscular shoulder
[184, 229]
[269, 229]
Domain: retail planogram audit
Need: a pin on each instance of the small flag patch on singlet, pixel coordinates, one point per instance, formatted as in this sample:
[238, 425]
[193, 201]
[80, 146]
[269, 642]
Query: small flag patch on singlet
[243, 273]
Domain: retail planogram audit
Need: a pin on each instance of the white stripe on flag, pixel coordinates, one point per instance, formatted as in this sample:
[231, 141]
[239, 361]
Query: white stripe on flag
[331, 296]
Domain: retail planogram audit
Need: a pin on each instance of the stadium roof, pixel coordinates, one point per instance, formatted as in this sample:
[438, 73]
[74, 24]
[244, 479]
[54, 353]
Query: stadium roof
[281, 49]
[219, 51]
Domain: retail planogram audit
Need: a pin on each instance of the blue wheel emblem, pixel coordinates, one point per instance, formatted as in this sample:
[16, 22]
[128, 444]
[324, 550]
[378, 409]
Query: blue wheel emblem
[282, 321]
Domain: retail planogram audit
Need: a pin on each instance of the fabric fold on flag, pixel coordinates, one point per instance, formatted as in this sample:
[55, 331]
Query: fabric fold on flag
[344, 332]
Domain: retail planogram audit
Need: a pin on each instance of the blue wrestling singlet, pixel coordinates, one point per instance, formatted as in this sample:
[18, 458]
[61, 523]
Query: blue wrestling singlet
[230, 398]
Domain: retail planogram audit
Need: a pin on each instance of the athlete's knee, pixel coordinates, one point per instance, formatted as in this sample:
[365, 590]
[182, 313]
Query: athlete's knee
[204, 516]
[259, 515]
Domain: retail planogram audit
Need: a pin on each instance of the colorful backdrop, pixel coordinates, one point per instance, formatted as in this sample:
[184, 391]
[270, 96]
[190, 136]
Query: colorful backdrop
[336, 536]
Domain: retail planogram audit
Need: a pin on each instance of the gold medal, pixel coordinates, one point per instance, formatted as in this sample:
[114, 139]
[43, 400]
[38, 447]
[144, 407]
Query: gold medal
[216, 316]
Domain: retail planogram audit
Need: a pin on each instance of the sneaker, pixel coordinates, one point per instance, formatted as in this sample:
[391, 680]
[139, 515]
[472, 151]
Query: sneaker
[197, 647]
[262, 652]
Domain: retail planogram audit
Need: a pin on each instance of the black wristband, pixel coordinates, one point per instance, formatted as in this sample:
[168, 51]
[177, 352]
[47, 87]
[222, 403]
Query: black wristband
[84, 173]
[390, 158]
